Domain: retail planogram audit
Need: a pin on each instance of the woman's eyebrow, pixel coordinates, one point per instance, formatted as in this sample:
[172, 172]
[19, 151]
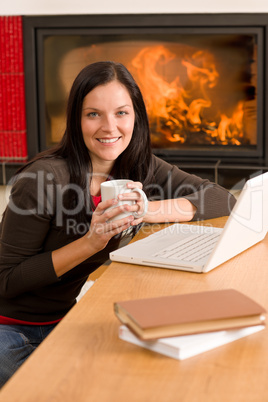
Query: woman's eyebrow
[89, 107]
[96, 109]
[126, 105]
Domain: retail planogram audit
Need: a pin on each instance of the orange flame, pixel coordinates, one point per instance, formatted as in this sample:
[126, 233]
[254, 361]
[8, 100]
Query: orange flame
[177, 110]
[157, 91]
[232, 128]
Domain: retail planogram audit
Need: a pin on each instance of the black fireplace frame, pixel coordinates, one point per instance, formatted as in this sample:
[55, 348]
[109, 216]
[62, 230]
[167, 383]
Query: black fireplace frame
[34, 27]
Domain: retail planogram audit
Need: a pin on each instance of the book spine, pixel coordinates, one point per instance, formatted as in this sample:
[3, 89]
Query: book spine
[9, 89]
[12, 73]
[3, 85]
[23, 136]
[1, 145]
[1, 117]
[18, 118]
[2, 58]
[24, 145]
[5, 124]
[9, 103]
[1, 82]
[13, 108]
[20, 45]
[1, 89]
[16, 114]
[7, 45]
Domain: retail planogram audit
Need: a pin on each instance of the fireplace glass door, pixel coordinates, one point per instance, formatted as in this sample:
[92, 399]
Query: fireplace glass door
[201, 87]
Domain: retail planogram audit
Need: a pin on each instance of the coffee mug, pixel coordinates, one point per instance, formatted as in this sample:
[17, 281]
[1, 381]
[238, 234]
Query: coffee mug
[112, 188]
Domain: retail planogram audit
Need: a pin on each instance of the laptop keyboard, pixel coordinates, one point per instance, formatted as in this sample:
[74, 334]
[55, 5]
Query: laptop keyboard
[190, 249]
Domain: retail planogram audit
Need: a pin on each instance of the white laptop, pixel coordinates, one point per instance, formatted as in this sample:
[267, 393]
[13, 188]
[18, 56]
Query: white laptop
[201, 248]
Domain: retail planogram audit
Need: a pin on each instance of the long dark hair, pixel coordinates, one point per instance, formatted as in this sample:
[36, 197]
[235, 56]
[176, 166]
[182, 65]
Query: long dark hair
[135, 162]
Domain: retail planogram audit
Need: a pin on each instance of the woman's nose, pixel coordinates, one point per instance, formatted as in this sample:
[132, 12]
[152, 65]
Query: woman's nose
[109, 124]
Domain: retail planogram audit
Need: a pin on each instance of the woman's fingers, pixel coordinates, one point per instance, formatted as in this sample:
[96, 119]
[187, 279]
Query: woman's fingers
[102, 206]
[134, 184]
[109, 210]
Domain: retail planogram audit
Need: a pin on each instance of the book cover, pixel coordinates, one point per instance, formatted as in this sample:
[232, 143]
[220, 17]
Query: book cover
[189, 313]
[183, 347]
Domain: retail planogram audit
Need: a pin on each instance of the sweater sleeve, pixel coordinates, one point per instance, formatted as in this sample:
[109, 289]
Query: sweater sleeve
[210, 199]
[26, 222]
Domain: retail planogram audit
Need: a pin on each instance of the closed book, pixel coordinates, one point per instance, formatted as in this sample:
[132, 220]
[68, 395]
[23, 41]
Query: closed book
[190, 313]
[185, 346]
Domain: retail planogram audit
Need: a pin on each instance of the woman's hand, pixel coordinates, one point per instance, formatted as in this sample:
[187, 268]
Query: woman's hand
[100, 232]
[138, 204]
[101, 229]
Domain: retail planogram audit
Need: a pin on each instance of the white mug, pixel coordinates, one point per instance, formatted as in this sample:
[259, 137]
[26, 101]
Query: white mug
[112, 188]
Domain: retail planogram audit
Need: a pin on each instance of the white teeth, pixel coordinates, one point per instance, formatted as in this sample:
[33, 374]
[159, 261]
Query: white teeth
[108, 141]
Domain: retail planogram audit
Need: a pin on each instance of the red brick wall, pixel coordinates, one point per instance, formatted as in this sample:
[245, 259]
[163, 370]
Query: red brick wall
[13, 145]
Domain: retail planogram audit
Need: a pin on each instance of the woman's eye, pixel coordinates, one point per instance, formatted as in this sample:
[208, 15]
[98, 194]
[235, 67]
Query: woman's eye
[93, 114]
[122, 113]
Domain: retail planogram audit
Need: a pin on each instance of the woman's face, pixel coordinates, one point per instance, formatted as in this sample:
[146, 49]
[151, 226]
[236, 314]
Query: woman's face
[107, 122]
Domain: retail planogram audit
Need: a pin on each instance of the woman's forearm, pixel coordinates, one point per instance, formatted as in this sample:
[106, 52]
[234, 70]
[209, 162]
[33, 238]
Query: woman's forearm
[71, 255]
[173, 210]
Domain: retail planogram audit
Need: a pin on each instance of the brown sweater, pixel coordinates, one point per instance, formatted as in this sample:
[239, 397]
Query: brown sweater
[31, 229]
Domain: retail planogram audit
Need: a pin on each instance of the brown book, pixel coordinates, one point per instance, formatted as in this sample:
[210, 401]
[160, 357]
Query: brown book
[191, 313]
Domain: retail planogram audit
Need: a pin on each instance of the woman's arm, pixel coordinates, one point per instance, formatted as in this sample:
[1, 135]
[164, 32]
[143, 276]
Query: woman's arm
[100, 233]
[34, 251]
[172, 210]
[178, 196]
[25, 263]
[209, 199]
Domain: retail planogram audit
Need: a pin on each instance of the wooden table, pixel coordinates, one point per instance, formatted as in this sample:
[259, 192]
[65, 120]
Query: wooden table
[84, 360]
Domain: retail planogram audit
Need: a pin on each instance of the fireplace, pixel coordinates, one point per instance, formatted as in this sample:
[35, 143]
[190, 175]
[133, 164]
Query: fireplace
[203, 78]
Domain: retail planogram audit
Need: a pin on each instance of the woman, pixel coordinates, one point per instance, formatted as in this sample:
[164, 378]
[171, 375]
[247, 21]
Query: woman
[54, 232]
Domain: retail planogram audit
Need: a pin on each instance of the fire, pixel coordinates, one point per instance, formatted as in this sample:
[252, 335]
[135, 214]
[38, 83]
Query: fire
[178, 98]
[158, 91]
[231, 129]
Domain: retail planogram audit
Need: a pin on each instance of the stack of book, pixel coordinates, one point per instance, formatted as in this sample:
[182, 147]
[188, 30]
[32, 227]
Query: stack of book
[13, 143]
[182, 326]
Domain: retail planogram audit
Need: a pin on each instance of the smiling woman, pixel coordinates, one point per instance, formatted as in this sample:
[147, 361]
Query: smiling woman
[107, 124]
[63, 228]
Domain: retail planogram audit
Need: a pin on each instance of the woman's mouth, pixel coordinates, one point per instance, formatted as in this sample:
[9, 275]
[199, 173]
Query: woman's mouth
[108, 141]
